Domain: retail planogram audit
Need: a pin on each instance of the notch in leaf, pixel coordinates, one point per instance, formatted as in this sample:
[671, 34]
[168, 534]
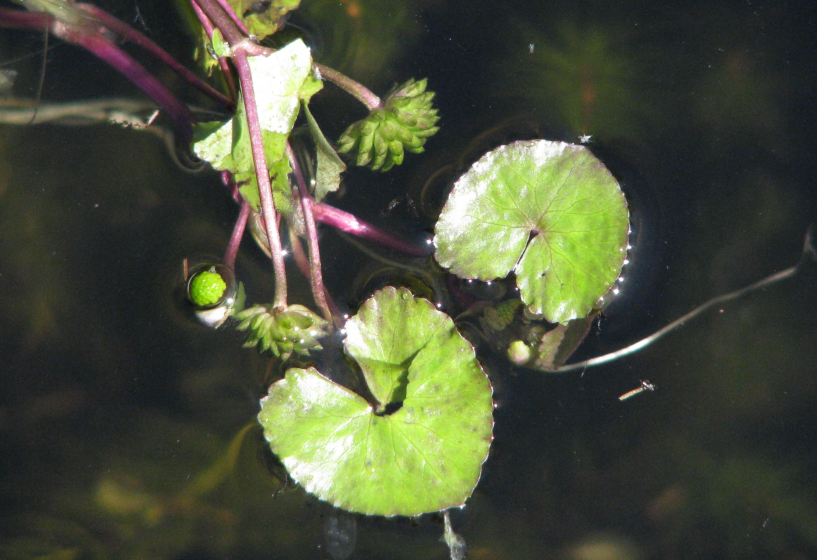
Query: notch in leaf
[548, 211]
[386, 459]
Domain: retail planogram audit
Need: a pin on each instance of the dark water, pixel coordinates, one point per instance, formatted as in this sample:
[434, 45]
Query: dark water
[114, 402]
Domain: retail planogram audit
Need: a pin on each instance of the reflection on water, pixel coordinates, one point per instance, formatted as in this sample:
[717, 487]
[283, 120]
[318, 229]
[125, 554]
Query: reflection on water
[115, 401]
[339, 533]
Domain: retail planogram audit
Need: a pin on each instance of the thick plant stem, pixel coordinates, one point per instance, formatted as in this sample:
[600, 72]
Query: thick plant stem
[347, 222]
[353, 88]
[224, 23]
[78, 27]
[241, 46]
[315, 272]
[262, 176]
[238, 234]
[105, 49]
[303, 265]
[233, 16]
[134, 36]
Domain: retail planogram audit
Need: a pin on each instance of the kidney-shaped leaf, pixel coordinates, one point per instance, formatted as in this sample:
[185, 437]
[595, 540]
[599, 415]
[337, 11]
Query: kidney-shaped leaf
[548, 211]
[422, 456]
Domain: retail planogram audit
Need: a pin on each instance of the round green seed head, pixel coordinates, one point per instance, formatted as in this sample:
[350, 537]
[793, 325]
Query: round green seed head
[207, 288]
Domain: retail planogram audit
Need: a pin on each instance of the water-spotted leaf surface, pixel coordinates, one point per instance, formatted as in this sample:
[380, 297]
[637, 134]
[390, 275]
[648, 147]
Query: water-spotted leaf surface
[421, 453]
[548, 211]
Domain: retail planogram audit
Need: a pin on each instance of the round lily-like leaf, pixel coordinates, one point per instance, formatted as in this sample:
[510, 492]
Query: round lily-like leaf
[418, 450]
[548, 211]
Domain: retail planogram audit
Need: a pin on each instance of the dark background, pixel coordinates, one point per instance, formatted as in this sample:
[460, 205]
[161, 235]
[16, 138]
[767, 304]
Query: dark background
[113, 400]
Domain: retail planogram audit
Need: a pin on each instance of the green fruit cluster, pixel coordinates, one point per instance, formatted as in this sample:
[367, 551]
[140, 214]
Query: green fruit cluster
[206, 288]
[294, 329]
[405, 122]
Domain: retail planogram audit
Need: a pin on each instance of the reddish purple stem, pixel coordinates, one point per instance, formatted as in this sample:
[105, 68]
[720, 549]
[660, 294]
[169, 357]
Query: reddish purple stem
[241, 47]
[105, 49]
[353, 88]
[134, 36]
[87, 34]
[233, 16]
[316, 274]
[238, 233]
[222, 62]
[347, 222]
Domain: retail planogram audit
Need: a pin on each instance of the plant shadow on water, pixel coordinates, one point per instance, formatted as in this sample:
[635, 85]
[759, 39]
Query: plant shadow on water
[121, 418]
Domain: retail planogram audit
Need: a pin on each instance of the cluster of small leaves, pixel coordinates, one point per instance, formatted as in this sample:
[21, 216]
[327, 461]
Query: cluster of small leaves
[498, 317]
[282, 332]
[405, 122]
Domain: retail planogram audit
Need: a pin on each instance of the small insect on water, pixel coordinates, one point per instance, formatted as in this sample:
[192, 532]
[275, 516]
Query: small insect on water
[645, 386]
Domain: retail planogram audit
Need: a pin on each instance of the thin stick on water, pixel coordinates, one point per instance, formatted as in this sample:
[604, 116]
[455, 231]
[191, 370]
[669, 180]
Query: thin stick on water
[41, 80]
[808, 254]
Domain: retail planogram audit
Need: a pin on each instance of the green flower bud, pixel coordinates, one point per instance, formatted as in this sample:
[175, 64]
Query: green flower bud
[282, 332]
[407, 119]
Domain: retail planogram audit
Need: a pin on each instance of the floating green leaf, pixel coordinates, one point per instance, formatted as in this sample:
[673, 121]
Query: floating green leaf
[548, 211]
[420, 448]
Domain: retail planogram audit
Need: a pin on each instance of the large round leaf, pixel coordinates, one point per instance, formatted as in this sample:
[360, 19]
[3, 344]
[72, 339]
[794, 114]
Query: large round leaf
[549, 211]
[420, 448]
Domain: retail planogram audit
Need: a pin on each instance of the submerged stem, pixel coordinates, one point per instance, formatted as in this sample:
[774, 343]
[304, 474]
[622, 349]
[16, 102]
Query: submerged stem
[108, 51]
[136, 37]
[75, 25]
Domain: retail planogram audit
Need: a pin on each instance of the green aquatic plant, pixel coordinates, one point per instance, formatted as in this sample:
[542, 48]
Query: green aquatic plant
[548, 211]
[388, 412]
[418, 445]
